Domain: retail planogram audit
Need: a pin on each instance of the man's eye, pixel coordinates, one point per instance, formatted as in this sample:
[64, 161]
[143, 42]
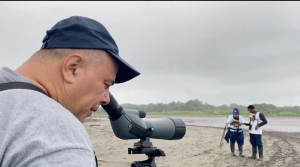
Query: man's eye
[106, 86]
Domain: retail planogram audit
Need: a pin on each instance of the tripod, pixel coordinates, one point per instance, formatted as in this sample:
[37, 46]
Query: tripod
[144, 146]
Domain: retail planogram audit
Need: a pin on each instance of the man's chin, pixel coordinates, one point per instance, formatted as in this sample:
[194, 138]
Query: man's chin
[88, 114]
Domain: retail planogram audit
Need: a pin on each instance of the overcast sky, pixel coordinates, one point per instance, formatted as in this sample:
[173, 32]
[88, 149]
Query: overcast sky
[217, 52]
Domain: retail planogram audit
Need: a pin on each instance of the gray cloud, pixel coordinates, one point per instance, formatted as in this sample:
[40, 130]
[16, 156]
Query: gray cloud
[217, 52]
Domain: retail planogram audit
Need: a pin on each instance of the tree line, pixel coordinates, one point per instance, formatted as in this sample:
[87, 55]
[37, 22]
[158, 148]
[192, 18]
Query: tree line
[196, 107]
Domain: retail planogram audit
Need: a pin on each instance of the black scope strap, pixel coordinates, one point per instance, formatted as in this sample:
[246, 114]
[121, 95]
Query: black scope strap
[19, 85]
[29, 86]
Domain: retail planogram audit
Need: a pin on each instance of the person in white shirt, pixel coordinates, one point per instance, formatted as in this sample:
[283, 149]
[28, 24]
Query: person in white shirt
[257, 120]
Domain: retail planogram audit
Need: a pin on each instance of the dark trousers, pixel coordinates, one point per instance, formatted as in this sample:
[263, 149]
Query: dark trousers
[255, 140]
[239, 138]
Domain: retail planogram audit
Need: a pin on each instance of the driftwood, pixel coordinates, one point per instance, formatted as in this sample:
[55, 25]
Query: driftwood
[95, 125]
[102, 160]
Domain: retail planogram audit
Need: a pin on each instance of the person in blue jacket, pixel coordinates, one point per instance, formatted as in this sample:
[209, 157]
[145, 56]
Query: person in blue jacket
[235, 131]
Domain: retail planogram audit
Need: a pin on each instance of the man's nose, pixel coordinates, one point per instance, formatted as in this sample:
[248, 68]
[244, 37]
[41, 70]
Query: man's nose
[106, 99]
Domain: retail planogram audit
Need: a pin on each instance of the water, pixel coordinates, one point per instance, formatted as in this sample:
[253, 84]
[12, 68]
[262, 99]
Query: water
[285, 124]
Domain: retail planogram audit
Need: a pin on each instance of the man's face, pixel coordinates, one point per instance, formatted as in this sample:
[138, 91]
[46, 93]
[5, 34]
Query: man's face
[235, 115]
[91, 89]
[251, 110]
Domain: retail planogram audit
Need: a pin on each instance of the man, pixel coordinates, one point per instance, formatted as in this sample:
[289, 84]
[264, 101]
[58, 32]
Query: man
[235, 131]
[72, 74]
[258, 120]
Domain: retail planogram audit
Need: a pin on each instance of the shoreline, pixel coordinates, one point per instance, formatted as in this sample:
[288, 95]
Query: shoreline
[282, 124]
[158, 116]
[267, 131]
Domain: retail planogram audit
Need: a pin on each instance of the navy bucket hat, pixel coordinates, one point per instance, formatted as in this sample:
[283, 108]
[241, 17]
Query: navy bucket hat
[78, 32]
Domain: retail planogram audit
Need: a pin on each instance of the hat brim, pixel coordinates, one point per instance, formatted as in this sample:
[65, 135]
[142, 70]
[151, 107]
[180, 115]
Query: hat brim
[125, 71]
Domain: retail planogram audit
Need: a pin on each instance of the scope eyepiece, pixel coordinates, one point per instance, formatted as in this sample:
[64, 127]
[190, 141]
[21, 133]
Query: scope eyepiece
[113, 109]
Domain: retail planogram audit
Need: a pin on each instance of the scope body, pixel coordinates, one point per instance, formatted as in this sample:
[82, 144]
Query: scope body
[131, 124]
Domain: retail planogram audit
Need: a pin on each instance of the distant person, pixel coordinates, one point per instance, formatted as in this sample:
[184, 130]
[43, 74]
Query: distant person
[45, 101]
[235, 131]
[257, 120]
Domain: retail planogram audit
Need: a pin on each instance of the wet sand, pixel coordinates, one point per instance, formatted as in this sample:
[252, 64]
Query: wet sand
[199, 147]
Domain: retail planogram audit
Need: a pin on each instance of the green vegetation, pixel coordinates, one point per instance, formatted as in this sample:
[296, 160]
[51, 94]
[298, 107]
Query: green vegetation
[196, 107]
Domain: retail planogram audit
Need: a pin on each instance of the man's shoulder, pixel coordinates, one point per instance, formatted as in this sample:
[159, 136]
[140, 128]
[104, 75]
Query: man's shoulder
[260, 113]
[39, 115]
[37, 123]
[32, 103]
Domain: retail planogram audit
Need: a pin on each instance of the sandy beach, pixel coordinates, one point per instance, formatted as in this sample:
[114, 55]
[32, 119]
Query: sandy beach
[199, 147]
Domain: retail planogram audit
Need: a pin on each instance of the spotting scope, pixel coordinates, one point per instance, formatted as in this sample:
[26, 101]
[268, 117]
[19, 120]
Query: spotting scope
[128, 124]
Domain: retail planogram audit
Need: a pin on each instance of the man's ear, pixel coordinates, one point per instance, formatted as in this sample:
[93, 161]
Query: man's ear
[72, 66]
